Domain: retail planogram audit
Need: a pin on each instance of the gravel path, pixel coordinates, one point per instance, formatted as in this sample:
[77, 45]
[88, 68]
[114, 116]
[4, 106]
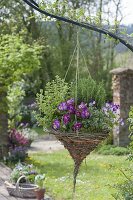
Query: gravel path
[46, 144]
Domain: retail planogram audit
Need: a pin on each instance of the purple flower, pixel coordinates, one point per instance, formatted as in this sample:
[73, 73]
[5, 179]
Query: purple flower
[77, 126]
[62, 106]
[85, 114]
[114, 108]
[82, 105]
[121, 121]
[71, 109]
[56, 124]
[66, 118]
[70, 101]
[78, 113]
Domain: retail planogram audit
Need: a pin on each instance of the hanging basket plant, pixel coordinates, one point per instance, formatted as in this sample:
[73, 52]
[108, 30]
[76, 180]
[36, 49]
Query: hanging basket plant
[80, 122]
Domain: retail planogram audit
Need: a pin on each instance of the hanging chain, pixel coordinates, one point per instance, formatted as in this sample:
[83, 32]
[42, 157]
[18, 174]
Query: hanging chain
[70, 62]
[77, 71]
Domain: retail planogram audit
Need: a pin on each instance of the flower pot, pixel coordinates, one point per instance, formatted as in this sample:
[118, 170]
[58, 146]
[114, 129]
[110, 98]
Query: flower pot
[40, 194]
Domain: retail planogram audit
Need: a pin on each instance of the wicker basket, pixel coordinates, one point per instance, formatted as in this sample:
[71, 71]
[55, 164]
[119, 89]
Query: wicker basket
[22, 190]
[79, 146]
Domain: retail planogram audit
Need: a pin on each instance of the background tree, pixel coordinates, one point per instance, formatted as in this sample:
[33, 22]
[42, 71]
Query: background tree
[17, 60]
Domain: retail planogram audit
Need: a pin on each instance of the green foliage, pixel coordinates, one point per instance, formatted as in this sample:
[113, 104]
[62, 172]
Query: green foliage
[85, 116]
[17, 61]
[20, 169]
[88, 89]
[130, 121]
[55, 92]
[15, 97]
[39, 180]
[17, 58]
[112, 150]
[125, 189]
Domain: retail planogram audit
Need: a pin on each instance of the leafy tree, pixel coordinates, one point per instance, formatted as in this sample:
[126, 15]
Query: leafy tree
[17, 60]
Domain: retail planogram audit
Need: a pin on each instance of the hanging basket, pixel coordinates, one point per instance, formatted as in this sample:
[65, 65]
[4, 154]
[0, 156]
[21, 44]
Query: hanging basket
[22, 190]
[79, 146]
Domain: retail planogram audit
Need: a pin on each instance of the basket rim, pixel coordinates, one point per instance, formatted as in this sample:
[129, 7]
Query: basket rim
[13, 186]
[79, 135]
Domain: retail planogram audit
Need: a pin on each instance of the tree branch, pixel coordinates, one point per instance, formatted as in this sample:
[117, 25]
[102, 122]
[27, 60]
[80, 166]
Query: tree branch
[35, 6]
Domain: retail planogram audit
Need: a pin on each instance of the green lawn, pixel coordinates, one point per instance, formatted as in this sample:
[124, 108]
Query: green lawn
[95, 179]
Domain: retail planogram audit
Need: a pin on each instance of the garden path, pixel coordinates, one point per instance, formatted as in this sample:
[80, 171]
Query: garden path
[46, 144]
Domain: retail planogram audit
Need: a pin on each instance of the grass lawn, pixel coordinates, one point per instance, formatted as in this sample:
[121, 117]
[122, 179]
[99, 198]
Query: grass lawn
[95, 179]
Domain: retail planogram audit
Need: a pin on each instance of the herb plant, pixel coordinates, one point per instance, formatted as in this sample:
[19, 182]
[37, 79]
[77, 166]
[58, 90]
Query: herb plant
[55, 92]
[88, 89]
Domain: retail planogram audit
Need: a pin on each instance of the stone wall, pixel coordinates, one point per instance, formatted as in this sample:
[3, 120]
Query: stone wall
[122, 85]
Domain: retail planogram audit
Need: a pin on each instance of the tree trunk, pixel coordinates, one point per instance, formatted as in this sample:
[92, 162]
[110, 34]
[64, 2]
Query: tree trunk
[3, 125]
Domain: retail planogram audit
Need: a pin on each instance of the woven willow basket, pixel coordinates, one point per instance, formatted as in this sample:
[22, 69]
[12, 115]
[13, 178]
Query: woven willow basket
[79, 146]
[22, 190]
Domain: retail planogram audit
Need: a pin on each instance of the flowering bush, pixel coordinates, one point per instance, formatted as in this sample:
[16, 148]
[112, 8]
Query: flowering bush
[29, 134]
[17, 139]
[18, 153]
[18, 146]
[20, 169]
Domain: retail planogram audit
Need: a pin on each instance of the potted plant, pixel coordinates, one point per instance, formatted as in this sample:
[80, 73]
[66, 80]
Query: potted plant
[78, 115]
[29, 171]
[40, 191]
[22, 181]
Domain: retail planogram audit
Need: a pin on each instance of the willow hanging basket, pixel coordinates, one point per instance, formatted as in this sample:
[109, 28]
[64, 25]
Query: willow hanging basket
[79, 146]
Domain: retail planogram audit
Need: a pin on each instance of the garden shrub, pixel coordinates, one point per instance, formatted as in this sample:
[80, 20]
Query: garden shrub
[15, 98]
[28, 114]
[55, 92]
[18, 146]
[125, 189]
[130, 120]
[112, 150]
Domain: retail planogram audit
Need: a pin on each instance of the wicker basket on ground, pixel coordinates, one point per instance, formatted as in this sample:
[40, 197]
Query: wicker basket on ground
[22, 190]
[79, 146]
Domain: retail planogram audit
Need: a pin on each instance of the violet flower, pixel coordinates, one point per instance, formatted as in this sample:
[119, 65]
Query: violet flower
[56, 124]
[62, 106]
[70, 101]
[66, 118]
[85, 113]
[71, 109]
[114, 108]
[77, 126]
[78, 113]
[121, 121]
[82, 105]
